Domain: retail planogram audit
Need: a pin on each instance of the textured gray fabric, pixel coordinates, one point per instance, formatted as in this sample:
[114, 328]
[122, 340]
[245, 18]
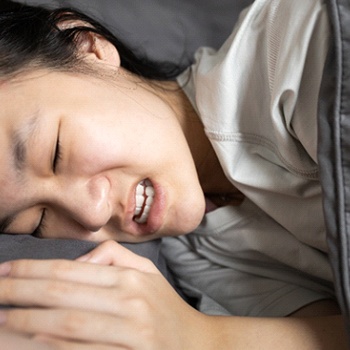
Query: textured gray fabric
[163, 29]
[334, 150]
[173, 30]
[13, 247]
[29, 247]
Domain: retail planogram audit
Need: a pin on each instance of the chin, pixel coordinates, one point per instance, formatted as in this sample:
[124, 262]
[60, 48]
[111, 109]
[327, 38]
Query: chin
[188, 222]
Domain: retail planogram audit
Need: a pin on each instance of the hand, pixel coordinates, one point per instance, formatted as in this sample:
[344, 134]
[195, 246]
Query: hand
[15, 341]
[114, 254]
[78, 305]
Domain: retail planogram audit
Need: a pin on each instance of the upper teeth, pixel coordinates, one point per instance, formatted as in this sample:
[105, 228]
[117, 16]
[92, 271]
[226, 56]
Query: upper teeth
[144, 200]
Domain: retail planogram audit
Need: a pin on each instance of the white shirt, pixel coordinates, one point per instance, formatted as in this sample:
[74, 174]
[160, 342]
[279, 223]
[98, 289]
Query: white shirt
[257, 97]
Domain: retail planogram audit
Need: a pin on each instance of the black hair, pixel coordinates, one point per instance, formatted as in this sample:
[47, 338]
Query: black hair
[30, 37]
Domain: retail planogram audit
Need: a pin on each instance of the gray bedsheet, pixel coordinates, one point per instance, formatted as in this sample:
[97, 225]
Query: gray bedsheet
[29, 247]
[185, 25]
[13, 247]
[164, 30]
[175, 29]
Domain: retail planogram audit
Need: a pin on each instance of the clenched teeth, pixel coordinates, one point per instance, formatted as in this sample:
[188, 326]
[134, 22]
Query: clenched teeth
[144, 200]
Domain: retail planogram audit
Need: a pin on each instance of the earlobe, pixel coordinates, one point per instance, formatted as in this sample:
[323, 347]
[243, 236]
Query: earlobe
[93, 46]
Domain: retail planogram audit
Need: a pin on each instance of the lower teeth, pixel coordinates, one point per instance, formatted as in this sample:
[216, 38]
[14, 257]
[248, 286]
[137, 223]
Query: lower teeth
[144, 200]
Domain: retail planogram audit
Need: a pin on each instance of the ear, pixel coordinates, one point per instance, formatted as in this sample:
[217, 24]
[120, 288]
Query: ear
[93, 46]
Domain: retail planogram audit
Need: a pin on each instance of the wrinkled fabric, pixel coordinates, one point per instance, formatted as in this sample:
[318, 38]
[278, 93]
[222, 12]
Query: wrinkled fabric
[257, 97]
[334, 150]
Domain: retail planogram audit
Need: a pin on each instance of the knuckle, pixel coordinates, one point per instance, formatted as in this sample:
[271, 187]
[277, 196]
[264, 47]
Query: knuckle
[8, 290]
[109, 245]
[57, 291]
[149, 265]
[20, 267]
[133, 279]
[18, 320]
[72, 323]
[58, 268]
[140, 307]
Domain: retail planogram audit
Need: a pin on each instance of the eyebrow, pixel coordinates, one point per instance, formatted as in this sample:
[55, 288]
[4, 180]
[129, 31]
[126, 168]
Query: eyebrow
[20, 140]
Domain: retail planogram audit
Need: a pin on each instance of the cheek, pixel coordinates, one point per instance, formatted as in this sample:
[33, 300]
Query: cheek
[135, 141]
[26, 221]
[90, 146]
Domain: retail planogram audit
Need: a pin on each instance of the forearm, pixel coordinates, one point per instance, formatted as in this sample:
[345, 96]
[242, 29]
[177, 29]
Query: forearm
[273, 333]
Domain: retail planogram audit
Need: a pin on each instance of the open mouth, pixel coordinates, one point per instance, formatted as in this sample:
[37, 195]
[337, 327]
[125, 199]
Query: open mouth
[144, 199]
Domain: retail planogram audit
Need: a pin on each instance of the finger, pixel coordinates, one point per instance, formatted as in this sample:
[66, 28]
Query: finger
[129, 285]
[60, 294]
[77, 325]
[14, 341]
[112, 253]
[60, 344]
[64, 270]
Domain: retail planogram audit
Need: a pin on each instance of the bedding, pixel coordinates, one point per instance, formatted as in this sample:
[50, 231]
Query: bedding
[334, 150]
[256, 259]
[29, 247]
[170, 29]
[185, 25]
[179, 38]
[14, 247]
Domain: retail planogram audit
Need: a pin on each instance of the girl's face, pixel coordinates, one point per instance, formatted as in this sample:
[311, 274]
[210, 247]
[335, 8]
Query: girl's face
[82, 158]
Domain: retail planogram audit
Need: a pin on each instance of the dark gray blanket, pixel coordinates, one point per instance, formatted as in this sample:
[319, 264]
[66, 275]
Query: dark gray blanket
[29, 247]
[334, 150]
[173, 30]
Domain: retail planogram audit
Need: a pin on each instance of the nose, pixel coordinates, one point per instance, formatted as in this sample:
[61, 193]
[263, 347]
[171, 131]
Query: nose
[87, 202]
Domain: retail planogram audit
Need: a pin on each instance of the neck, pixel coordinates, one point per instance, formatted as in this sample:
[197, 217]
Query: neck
[210, 173]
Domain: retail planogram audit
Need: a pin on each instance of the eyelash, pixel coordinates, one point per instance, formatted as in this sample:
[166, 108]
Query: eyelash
[58, 156]
[39, 230]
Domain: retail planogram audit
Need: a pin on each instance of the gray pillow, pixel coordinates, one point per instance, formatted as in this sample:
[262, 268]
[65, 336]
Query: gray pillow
[163, 29]
[14, 247]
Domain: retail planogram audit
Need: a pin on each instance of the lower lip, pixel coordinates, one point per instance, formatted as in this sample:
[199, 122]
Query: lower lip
[156, 214]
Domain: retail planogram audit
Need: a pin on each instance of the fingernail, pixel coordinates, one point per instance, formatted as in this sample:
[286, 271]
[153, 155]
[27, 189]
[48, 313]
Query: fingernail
[3, 317]
[5, 269]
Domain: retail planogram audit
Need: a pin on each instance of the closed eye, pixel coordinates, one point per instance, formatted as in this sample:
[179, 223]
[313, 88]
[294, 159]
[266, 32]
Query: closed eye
[39, 230]
[58, 155]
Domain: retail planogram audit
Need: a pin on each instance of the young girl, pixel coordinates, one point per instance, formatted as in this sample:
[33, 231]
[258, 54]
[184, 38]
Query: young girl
[101, 145]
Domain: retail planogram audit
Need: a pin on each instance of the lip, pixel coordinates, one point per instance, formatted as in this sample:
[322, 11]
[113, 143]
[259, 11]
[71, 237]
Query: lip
[156, 214]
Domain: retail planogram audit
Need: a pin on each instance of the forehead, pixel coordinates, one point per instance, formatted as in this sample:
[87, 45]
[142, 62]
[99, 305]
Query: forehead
[18, 119]
[38, 92]
[17, 97]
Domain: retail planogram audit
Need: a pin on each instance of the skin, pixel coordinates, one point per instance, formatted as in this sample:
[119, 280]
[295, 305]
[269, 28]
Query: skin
[112, 135]
[113, 293]
[13, 341]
